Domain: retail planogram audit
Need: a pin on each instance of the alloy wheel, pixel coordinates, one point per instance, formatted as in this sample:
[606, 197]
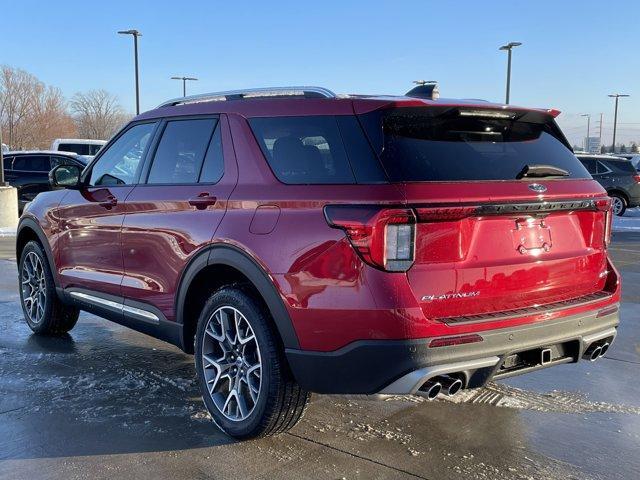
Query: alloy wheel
[618, 205]
[34, 288]
[231, 363]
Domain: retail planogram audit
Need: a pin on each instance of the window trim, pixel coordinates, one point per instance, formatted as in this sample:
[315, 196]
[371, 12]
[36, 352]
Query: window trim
[144, 176]
[86, 173]
[608, 170]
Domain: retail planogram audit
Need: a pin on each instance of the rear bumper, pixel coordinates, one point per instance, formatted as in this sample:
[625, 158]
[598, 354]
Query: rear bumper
[400, 367]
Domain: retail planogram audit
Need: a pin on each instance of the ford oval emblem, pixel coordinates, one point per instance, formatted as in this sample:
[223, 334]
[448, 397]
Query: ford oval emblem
[536, 187]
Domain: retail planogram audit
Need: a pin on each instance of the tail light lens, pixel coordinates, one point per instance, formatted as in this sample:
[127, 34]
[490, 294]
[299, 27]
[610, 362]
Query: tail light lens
[383, 237]
[604, 205]
[636, 178]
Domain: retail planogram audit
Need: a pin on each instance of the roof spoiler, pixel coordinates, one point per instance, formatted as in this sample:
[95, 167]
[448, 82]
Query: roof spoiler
[424, 89]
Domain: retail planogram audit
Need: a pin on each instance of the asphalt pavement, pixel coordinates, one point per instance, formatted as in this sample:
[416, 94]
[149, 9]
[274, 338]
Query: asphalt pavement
[105, 402]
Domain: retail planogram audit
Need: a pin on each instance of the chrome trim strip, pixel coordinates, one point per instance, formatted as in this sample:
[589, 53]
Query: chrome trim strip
[141, 313]
[249, 93]
[97, 300]
[116, 306]
[411, 382]
[550, 307]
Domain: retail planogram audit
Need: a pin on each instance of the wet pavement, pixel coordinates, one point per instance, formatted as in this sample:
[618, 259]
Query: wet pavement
[107, 402]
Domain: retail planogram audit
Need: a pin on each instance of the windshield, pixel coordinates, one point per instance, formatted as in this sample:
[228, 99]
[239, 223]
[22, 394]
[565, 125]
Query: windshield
[433, 144]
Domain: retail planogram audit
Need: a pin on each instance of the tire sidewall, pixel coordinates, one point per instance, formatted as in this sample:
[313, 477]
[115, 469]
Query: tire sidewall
[42, 326]
[256, 317]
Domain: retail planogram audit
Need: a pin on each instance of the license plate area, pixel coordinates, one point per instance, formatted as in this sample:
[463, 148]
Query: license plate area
[531, 236]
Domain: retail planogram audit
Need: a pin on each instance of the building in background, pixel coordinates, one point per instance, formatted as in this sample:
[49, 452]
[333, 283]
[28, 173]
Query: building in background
[591, 144]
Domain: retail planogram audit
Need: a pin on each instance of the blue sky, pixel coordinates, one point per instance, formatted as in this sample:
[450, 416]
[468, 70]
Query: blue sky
[574, 53]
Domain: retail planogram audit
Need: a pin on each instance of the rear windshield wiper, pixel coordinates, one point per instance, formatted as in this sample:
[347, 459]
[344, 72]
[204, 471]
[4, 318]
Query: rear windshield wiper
[539, 171]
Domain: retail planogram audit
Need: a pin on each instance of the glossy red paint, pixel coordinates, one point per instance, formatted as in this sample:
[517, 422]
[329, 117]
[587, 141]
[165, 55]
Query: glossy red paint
[139, 247]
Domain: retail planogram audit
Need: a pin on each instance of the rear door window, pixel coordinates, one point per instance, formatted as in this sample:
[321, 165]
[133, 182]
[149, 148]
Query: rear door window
[32, 163]
[443, 144]
[590, 164]
[181, 151]
[309, 149]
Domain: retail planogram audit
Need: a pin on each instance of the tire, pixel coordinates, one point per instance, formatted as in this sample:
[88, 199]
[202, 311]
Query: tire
[619, 204]
[279, 403]
[43, 311]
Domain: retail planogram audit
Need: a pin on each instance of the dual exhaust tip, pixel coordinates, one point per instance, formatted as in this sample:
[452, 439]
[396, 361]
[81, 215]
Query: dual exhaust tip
[442, 384]
[595, 351]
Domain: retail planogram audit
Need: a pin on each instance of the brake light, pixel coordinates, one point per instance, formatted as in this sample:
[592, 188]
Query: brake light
[604, 205]
[383, 237]
[636, 178]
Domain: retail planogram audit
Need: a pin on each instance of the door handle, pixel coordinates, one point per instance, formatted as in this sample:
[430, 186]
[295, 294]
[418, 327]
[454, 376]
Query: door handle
[203, 200]
[110, 202]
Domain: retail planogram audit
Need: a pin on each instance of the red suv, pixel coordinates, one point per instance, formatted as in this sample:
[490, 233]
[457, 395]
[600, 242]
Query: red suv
[299, 241]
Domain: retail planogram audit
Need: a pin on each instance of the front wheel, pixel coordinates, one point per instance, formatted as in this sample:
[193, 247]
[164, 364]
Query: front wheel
[44, 312]
[245, 381]
[619, 204]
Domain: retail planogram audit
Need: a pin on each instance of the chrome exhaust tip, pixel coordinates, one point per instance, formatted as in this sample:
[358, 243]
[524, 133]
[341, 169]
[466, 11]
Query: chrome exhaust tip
[450, 385]
[429, 389]
[595, 354]
[604, 348]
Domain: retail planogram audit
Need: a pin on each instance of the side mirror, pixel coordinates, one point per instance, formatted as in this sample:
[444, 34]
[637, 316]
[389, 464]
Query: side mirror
[65, 176]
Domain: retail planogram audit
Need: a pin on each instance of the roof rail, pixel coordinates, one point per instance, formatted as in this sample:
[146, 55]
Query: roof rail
[308, 92]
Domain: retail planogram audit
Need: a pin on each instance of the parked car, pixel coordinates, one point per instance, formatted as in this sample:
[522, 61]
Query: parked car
[619, 178]
[81, 146]
[297, 241]
[28, 171]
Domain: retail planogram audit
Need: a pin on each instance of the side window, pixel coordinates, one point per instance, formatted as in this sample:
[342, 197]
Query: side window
[7, 162]
[32, 163]
[213, 167]
[590, 165]
[180, 153]
[304, 150]
[602, 168]
[121, 162]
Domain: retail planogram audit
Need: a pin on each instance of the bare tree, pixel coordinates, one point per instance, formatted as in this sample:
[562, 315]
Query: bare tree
[97, 114]
[31, 114]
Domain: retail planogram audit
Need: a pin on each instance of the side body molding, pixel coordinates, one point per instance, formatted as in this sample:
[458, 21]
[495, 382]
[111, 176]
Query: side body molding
[234, 257]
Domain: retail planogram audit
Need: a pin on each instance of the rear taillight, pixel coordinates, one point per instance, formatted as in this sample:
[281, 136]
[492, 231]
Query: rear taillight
[636, 178]
[604, 205]
[383, 237]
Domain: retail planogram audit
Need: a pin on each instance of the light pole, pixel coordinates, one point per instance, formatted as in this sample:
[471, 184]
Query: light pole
[615, 118]
[135, 34]
[508, 47]
[1, 160]
[588, 130]
[184, 83]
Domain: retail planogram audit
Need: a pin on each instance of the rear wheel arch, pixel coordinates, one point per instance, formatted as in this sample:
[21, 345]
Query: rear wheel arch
[219, 266]
[620, 193]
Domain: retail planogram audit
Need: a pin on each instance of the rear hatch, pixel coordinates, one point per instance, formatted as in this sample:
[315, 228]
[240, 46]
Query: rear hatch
[507, 217]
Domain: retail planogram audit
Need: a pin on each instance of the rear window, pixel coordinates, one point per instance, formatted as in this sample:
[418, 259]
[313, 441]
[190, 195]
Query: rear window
[626, 167]
[317, 150]
[434, 144]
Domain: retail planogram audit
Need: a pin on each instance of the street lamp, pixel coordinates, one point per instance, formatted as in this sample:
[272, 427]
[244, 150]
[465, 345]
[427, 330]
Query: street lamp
[588, 128]
[615, 118]
[508, 47]
[135, 34]
[184, 83]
